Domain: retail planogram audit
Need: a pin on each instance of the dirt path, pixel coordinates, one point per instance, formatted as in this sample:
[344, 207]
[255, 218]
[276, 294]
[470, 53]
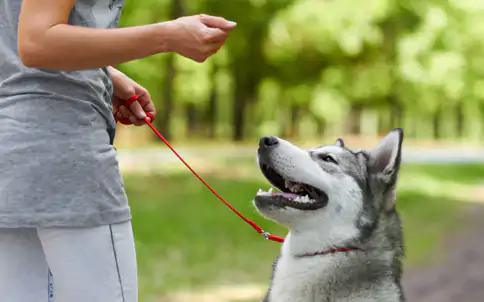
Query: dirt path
[460, 277]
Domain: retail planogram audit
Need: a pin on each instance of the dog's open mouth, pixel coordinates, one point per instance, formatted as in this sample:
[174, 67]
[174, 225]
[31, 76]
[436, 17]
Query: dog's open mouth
[293, 194]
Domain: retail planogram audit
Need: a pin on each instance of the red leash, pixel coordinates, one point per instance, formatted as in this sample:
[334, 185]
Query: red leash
[259, 230]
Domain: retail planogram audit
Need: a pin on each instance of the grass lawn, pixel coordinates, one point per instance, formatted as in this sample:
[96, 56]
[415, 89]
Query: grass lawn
[187, 239]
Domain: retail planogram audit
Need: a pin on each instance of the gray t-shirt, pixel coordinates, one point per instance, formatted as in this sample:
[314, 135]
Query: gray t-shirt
[57, 160]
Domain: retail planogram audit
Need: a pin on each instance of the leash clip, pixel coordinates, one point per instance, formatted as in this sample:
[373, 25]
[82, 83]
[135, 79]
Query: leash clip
[265, 234]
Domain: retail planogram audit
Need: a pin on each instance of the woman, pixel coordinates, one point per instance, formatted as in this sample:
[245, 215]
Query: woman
[65, 231]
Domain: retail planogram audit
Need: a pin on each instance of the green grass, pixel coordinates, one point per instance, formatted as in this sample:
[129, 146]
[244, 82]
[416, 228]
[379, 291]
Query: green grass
[186, 238]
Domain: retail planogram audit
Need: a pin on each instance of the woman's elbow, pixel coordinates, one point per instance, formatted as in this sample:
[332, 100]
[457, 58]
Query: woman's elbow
[30, 52]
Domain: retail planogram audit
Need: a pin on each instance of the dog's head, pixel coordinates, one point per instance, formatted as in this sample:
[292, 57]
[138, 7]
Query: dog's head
[332, 191]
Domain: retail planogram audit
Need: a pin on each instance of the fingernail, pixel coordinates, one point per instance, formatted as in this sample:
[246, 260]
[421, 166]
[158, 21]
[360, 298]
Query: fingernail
[231, 23]
[142, 114]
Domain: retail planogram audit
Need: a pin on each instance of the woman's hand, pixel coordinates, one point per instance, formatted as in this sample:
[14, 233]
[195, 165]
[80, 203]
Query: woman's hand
[200, 36]
[125, 88]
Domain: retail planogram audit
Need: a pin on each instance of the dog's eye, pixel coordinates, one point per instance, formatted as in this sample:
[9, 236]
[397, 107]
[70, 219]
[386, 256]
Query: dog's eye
[328, 158]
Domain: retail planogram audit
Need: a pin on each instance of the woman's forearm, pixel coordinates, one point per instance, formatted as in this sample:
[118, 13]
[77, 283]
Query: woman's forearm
[47, 40]
[68, 47]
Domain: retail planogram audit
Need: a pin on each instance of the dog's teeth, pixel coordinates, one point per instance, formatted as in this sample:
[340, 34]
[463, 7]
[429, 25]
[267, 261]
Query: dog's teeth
[263, 193]
[303, 199]
[270, 190]
[287, 183]
[296, 188]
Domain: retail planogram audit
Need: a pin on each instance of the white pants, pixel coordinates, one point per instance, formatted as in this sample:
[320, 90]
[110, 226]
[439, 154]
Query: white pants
[68, 264]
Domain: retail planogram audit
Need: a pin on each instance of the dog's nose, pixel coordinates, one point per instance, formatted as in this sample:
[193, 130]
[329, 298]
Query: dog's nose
[268, 141]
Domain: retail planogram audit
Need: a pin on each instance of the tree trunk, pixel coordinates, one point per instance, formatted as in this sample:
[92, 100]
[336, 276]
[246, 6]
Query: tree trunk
[238, 116]
[165, 121]
[436, 122]
[211, 114]
[382, 122]
[247, 78]
[354, 120]
[460, 120]
[320, 127]
[395, 112]
[191, 119]
[295, 117]
[244, 95]
[177, 10]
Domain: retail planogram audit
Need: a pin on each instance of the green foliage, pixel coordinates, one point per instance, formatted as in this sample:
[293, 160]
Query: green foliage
[407, 58]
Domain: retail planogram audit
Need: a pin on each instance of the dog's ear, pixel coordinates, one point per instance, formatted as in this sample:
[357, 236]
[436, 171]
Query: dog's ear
[386, 156]
[340, 143]
[384, 163]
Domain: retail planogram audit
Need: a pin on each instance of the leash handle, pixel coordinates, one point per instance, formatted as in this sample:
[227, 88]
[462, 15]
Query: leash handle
[127, 104]
[147, 120]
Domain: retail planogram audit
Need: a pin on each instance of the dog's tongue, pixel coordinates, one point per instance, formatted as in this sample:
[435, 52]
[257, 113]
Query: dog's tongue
[285, 195]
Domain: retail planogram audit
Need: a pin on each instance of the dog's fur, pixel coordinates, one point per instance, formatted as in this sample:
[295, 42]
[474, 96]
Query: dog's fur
[353, 206]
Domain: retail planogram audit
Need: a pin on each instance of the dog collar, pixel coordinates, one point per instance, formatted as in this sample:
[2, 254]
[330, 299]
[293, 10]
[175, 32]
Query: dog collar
[333, 251]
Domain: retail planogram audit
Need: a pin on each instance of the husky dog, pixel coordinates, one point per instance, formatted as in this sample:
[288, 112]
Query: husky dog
[345, 239]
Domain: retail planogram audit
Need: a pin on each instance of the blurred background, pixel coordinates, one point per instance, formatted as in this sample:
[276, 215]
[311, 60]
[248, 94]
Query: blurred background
[309, 71]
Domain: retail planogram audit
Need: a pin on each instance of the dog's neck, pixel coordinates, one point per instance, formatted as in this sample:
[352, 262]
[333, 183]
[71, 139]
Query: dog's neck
[314, 242]
[310, 267]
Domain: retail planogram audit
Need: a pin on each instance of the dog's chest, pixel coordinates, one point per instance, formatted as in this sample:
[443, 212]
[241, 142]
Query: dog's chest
[316, 279]
[298, 280]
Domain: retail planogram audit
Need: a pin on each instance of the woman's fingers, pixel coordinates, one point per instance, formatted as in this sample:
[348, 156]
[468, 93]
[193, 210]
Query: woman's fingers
[137, 110]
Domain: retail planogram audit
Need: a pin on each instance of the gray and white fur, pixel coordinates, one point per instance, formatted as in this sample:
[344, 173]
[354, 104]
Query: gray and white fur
[334, 198]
